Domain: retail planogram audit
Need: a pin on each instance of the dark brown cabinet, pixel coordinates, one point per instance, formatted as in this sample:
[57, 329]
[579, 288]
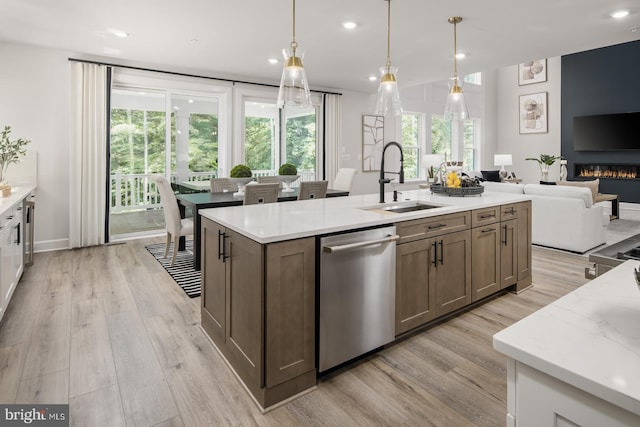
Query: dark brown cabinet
[258, 307]
[453, 271]
[485, 260]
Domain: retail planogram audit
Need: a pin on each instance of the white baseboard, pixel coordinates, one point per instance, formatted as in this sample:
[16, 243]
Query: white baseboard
[51, 245]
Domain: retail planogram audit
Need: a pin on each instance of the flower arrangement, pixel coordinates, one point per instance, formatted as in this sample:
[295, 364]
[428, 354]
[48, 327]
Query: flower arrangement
[10, 151]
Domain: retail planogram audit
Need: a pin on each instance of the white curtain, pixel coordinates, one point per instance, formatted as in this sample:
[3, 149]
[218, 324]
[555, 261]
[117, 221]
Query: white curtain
[87, 154]
[332, 134]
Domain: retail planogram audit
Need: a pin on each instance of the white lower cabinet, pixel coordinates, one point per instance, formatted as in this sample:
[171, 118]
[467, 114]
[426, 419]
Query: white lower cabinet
[536, 399]
[11, 254]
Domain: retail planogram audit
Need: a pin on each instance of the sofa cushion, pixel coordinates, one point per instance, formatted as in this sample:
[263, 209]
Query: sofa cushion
[503, 187]
[493, 176]
[591, 185]
[565, 192]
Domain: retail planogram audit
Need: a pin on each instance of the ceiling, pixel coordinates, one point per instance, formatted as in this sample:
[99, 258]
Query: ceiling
[234, 39]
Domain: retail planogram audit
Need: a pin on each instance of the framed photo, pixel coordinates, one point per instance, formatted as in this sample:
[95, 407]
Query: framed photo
[532, 112]
[372, 142]
[532, 72]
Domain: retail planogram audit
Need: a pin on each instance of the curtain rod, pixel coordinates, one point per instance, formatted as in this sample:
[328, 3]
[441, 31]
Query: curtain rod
[187, 75]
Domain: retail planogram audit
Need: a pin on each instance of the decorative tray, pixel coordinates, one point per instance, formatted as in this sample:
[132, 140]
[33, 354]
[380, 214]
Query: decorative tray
[475, 190]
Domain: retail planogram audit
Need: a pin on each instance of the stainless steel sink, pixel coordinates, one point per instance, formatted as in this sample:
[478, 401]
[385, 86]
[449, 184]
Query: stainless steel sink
[402, 207]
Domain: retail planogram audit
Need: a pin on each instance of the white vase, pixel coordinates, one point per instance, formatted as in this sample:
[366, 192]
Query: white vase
[563, 171]
[545, 172]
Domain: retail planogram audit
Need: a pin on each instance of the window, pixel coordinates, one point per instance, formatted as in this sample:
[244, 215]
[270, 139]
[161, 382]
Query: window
[271, 137]
[475, 78]
[455, 140]
[412, 135]
[441, 136]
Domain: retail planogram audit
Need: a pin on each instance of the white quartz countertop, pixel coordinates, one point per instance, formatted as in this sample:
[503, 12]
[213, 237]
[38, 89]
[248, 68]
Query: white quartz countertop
[17, 194]
[275, 222]
[589, 338]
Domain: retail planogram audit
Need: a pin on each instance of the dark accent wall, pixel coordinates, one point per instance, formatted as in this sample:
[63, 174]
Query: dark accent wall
[601, 81]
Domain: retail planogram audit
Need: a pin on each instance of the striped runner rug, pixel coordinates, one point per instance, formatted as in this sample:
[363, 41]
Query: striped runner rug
[182, 270]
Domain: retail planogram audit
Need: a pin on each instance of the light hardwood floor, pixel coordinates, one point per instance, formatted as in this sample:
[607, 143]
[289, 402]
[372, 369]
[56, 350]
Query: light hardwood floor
[106, 330]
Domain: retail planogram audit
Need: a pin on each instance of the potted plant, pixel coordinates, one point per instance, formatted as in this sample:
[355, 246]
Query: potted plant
[10, 152]
[288, 173]
[544, 161]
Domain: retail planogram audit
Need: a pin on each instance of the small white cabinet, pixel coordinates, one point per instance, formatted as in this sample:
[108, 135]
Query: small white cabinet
[11, 251]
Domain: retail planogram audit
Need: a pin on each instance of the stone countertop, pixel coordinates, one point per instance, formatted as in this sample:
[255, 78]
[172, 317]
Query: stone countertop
[276, 222]
[17, 194]
[589, 338]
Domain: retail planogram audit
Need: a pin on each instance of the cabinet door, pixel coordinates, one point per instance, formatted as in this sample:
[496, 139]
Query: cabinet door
[213, 300]
[415, 284]
[245, 307]
[453, 273]
[485, 261]
[290, 310]
[508, 253]
[524, 243]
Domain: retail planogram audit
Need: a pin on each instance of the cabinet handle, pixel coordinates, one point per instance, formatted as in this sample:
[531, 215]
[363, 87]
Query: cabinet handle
[488, 230]
[435, 254]
[487, 216]
[224, 247]
[435, 227]
[505, 235]
[441, 252]
[17, 227]
[510, 211]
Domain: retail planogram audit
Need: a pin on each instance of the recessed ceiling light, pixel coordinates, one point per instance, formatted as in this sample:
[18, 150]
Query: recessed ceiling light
[190, 101]
[349, 25]
[194, 41]
[620, 14]
[373, 78]
[461, 55]
[273, 61]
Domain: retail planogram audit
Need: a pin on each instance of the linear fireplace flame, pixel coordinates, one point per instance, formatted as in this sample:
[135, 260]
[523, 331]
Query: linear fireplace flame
[607, 171]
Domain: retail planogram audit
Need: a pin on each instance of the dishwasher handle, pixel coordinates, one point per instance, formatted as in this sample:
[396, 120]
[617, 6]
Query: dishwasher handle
[356, 245]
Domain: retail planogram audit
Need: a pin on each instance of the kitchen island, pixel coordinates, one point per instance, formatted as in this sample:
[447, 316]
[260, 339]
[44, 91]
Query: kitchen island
[260, 272]
[577, 360]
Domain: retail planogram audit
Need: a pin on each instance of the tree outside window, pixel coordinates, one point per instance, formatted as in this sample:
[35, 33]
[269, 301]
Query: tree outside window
[411, 137]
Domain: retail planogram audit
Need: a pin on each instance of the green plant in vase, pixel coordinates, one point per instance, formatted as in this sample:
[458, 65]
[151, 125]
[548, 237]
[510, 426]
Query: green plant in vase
[10, 151]
[544, 161]
[288, 174]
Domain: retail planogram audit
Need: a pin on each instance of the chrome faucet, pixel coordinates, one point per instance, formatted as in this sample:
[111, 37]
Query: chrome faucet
[382, 181]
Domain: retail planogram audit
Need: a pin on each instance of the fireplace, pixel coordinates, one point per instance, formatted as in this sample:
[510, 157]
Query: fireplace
[607, 171]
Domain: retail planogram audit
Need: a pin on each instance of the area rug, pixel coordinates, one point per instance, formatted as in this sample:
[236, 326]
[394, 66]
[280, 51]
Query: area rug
[182, 270]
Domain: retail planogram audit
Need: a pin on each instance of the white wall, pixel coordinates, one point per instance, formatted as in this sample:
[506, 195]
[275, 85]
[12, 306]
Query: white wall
[34, 101]
[528, 145]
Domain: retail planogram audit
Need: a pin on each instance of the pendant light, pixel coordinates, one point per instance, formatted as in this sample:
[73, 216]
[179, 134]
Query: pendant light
[388, 100]
[456, 108]
[294, 88]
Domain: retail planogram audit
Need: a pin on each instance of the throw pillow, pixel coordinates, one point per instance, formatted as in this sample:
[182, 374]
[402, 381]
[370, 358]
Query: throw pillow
[591, 185]
[493, 176]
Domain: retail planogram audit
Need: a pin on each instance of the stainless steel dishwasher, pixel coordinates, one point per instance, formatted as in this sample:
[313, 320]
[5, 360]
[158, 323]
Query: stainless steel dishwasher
[356, 294]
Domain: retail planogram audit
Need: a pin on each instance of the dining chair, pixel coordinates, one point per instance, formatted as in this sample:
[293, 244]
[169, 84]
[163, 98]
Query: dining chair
[176, 226]
[344, 179]
[270, 180]
[222, 185]
[260, 193]
[313, 190]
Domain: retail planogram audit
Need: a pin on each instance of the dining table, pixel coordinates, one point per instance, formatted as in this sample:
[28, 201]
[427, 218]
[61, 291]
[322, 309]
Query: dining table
[206, 200]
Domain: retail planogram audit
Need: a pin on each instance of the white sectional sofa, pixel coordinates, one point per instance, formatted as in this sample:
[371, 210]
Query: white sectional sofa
[563, 217]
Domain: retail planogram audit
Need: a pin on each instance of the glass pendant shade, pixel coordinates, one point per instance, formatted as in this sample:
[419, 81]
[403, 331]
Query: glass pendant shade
[294, 87]
[456, 107]
[388, 99]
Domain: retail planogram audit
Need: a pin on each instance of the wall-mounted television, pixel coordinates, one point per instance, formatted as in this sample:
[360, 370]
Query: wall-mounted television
[607, 132]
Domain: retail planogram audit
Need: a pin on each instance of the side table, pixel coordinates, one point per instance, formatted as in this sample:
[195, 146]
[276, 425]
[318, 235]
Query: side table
[615, 205]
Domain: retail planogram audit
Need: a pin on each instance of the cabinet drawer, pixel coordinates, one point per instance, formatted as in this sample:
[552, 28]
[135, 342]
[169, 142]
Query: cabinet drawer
[508, 212]
[480, 217]
[435, 226]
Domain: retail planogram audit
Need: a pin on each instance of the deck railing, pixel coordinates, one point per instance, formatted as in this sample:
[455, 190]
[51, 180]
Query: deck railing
[133, 192]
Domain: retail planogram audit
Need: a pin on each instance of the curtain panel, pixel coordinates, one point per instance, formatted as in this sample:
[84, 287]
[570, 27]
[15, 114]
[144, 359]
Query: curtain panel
[332, 134]
[88, 154]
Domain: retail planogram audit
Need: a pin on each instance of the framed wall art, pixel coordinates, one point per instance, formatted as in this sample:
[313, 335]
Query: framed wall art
[372, 142]
[533, 113]
[532, 72]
